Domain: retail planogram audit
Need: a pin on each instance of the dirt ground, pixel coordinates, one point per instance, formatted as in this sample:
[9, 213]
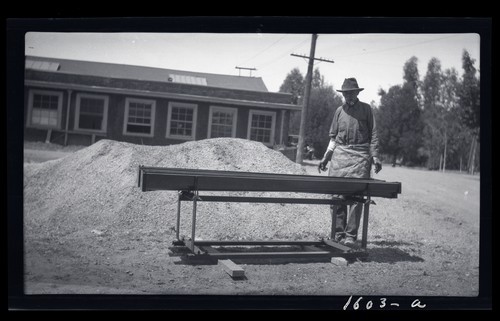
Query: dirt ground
[424, 243]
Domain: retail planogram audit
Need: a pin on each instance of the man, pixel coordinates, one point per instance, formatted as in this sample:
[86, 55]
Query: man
[352, 149]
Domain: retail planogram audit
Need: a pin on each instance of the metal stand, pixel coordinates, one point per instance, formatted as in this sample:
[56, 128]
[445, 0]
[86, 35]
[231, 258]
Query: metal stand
[307, 249]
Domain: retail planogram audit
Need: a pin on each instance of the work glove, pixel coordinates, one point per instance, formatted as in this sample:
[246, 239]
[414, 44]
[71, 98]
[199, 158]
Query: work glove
[378, 164]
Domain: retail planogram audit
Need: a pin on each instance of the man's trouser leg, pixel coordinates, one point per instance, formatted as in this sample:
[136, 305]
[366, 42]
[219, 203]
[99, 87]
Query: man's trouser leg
[339, 218]
[353, 220]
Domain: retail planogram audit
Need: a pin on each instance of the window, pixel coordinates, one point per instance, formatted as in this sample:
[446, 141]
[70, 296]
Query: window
[222, 122]
[91, 112]
[45, 108]
[41, 65]
[183, 79]
[181, 121]
[261, 126]
[139, 117]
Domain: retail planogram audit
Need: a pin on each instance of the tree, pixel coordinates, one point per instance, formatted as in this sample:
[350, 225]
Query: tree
[411, 78]
[411, 126]
[411, 118]
[399, 124]
[385, 118]
[468, 94]
[318, 80]
[293, 84]
[434, 114]
[410, 72]
[399, 119]
[456, 133]
[435, 121]
[469, 101]
[445, 136]
[322, 105]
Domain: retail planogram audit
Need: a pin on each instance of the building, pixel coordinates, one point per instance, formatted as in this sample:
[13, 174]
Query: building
[79, 102]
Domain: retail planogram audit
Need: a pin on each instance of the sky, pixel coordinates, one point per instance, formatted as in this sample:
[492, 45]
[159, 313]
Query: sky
[375, 60]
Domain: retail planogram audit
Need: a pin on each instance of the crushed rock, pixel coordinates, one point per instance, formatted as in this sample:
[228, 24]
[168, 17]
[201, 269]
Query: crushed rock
[95, 189]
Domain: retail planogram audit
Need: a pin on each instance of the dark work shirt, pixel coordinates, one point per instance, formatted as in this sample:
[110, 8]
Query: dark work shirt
[353, 125]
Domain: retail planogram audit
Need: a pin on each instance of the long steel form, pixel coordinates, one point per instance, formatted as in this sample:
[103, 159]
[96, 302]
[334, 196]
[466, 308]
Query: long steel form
[157, 178]
[188, 183]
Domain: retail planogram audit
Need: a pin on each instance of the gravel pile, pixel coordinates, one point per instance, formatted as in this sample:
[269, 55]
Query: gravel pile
[94, 190]
[52, 147]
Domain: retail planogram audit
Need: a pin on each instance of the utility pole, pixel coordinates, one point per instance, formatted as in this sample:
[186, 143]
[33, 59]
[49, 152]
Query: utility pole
[319, 59]
[307, 93]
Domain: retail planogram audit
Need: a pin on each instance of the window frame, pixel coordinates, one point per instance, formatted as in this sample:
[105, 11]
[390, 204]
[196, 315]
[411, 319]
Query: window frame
[173, 104]
[129, 100]
[31, 94]
[232, 110]
[79, 96]
[273, 125]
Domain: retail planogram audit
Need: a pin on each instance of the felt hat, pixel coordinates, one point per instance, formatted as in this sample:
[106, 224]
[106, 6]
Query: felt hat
[350, 84]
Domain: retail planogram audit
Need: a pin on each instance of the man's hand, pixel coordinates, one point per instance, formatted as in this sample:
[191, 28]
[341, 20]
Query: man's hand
[325, 160]
[322, 165]
[378, 165]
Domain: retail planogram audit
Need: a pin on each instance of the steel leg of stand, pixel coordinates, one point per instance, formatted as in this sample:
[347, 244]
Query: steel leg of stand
[193, 224]
[178, 226]
[333, 213]
[366, 214]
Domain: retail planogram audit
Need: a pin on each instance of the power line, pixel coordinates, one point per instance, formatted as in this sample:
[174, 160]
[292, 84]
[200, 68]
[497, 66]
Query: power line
[398, 47]
[258, 54]
[371, 63]
[283, 55]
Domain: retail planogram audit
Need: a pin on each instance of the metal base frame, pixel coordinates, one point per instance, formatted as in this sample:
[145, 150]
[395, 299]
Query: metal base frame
[218, 250]
[307, 249]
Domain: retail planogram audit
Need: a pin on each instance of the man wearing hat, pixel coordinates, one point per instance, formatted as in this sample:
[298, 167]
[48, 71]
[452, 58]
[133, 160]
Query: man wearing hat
[353, 148]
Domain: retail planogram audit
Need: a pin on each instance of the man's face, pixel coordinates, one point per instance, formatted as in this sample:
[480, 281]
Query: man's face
[350, 96]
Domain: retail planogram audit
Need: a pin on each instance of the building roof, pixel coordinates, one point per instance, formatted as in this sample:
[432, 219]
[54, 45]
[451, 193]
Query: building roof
[121, 71]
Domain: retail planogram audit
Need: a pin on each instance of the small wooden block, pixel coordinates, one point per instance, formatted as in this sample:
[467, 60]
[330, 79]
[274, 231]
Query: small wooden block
[234, 270]
[340, 261]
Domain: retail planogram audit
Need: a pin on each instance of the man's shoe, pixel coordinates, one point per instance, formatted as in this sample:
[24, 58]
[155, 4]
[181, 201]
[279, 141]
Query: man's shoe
[339, 238]
[349, 240]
